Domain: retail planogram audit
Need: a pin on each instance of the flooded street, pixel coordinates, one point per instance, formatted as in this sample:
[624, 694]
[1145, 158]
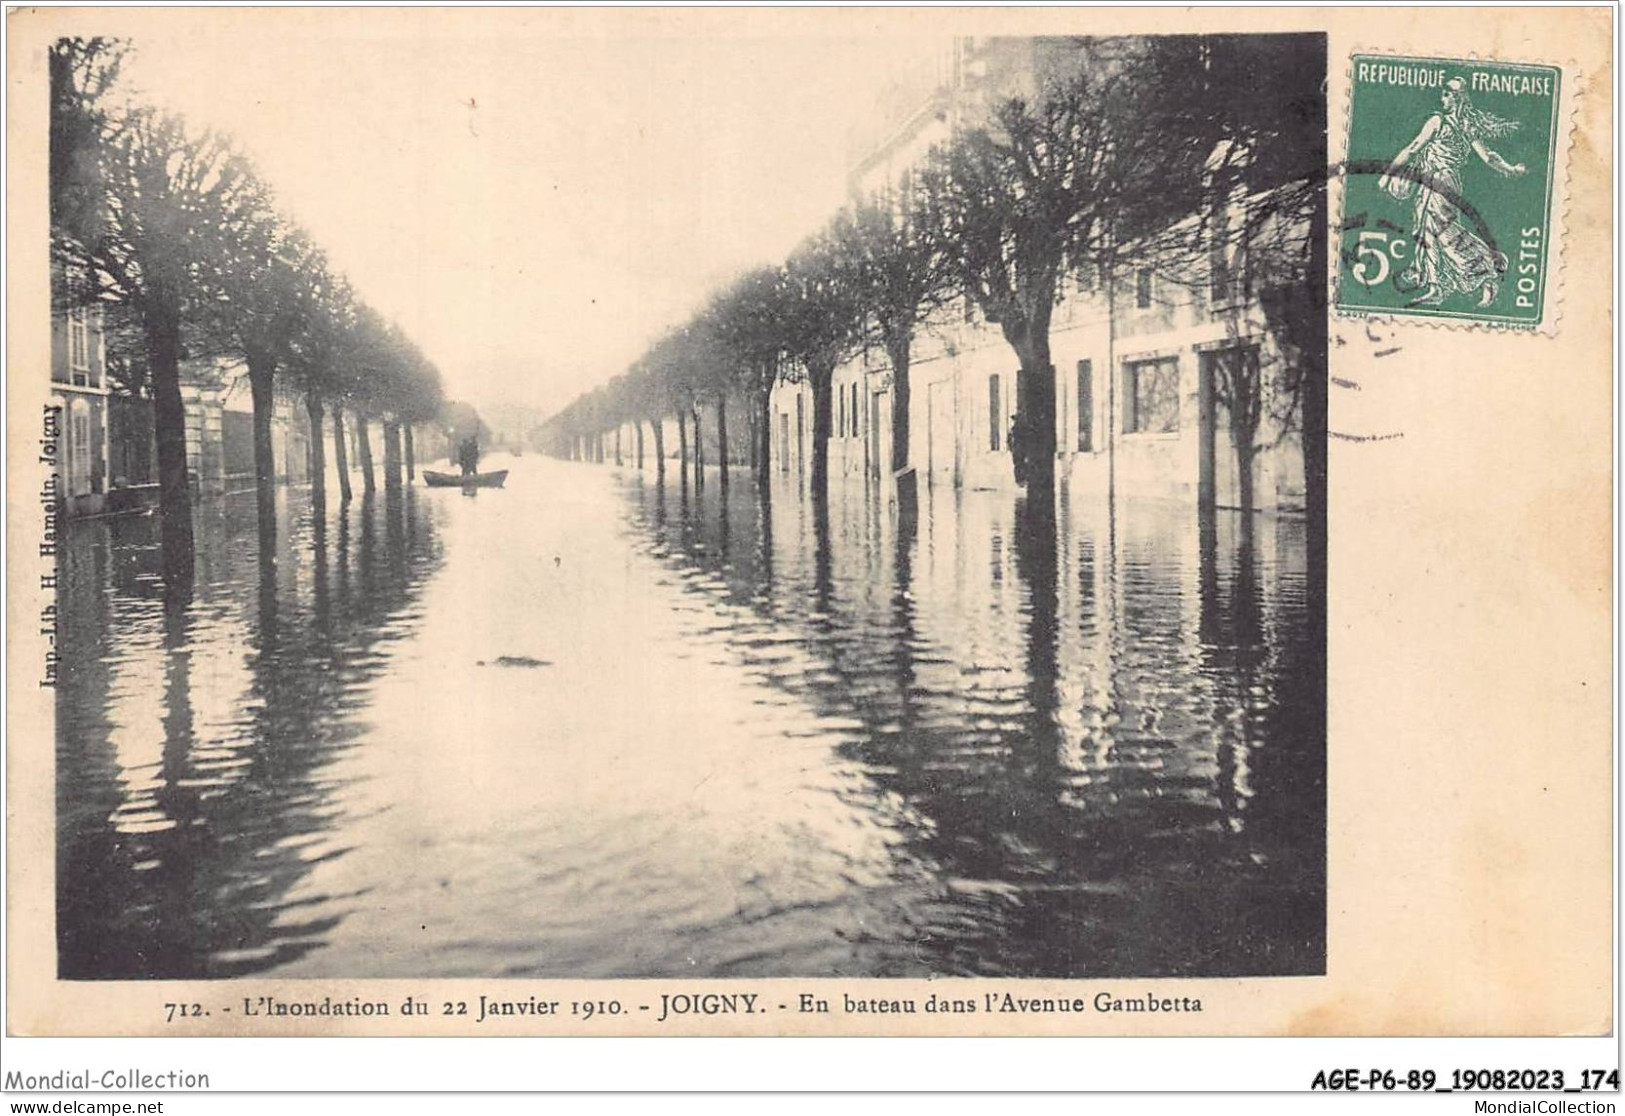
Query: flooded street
[586, 726]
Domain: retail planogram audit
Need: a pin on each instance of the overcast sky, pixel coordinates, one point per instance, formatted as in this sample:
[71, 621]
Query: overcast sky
[534, 210]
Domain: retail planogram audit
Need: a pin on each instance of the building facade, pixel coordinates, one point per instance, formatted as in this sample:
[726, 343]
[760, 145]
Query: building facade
[79, 391]
[1143, 370]
[220, 431]
[108, 459]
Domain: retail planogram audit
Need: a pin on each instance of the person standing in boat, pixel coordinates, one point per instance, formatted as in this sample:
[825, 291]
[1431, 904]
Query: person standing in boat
[468, 455]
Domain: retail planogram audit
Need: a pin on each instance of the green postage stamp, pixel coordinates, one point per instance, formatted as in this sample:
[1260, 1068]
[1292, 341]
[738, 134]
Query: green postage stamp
[1451, 190]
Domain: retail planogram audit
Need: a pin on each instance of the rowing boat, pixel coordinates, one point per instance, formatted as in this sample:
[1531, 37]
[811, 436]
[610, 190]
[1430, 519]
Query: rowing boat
[457, 481]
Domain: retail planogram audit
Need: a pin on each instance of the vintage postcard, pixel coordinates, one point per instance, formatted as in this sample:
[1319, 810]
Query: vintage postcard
[789, 522]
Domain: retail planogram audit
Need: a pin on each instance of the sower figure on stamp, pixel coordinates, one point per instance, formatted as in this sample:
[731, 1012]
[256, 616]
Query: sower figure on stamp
[1451, 257]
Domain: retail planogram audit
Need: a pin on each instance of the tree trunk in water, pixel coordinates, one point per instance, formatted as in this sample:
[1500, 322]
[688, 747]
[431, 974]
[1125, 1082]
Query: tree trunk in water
[261, 374]
[1208, 377]
[392, 455]
[1039, 389]
[682, 449]
[1036, 389]
[162, 329]
[638, 426]
[900, 350]
[657, 427]
[823, 558]
[699, 452]
[341, 455]
[722, 438]
[318, 455]
[823, 397]
[1109, 279]
[618, 461]
[369, 482]
[1246, 456]
[764, 421]
[411, 453]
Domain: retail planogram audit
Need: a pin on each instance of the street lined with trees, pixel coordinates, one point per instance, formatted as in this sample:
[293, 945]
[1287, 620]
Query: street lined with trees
[177, 239]
[1148, 153]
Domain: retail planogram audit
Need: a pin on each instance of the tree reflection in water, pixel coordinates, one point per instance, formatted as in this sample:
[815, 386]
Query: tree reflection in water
[959, 737]
[212, 782]
[1101, 757]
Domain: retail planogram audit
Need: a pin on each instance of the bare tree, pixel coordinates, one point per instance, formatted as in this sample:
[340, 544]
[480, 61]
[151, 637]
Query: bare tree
[314, 352]
[83, 72]
[745, 318]
[419, 398]
[649, 406]
[257, 269]
[1254, 233]
[821, 325]
[368, 352]
[905, 270]
[1047, 185]
[167, 197]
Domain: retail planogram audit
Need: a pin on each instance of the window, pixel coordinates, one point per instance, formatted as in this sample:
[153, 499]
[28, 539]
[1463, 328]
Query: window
[840, 417]
[855, 411]
[1151, 396]
[1219, 282]
[1227, 275]
[1227, 260]
[993, 439]
[1142, 289]
[79, 477]
[1086, 406]
[79, 345]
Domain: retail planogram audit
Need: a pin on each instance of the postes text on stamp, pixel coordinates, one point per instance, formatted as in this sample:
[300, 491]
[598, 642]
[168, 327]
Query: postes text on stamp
[1449, 190]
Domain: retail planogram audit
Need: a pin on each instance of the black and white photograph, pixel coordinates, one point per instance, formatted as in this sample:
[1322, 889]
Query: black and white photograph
[801, 508]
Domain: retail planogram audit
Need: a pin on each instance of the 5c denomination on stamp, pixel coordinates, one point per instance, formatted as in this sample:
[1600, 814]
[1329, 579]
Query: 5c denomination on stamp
[1450, 190]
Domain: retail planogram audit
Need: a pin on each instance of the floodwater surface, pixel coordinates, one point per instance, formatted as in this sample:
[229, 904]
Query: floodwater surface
[595, 726]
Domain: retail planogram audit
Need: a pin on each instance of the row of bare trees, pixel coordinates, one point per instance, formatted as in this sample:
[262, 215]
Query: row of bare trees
[177, 238]
[1190, 154]
[870, 279]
